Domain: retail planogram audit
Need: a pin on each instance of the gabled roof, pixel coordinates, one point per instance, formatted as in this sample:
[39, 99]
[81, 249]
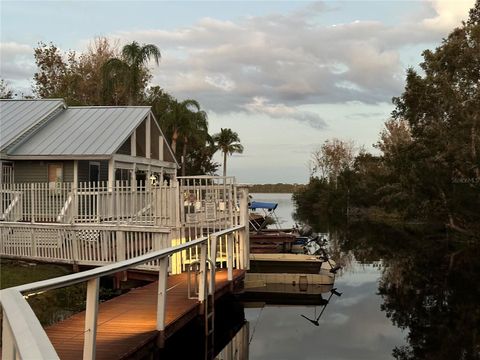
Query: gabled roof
[84, 130]
[19, 118]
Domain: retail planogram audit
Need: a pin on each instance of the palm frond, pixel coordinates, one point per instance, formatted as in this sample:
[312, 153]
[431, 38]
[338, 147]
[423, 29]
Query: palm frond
[148, 51]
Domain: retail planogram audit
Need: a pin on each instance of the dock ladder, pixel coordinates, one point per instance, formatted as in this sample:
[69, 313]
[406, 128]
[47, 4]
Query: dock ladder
[209, 300]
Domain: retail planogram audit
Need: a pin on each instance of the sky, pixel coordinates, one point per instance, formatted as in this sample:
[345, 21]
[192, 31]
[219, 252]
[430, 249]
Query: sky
[285, 75]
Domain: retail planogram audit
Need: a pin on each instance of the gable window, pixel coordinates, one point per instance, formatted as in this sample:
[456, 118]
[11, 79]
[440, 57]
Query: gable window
[55, 175]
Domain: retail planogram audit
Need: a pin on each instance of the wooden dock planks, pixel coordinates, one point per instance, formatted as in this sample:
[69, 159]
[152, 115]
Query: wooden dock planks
[128, 322]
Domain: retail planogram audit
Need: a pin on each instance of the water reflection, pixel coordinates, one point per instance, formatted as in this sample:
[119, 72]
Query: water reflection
[429, 286]
[410, 292]
[351, 326]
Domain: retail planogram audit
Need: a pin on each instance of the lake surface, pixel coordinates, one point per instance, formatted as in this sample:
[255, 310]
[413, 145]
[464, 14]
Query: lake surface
[285, 207]
[353, 325]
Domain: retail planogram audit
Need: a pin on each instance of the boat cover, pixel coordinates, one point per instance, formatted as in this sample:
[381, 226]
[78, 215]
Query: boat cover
[254, 205]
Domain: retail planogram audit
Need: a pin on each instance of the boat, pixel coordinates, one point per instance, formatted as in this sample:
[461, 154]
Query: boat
[263, 240]
[287, 279]
[287, 266]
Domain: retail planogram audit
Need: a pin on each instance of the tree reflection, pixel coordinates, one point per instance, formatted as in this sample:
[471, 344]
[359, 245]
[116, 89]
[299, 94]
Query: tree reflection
[434, 293]
[430, 286]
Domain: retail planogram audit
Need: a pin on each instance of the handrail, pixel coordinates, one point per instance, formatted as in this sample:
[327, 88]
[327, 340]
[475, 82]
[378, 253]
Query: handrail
[76, 278]
[22, 331]
[228, 231]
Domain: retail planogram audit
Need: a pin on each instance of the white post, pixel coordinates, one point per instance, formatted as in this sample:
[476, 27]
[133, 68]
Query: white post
[244, 235]
[120, 235]
[8, 341]
[162, 293]
[75, 173]
[213, 248]
[111, 174]
[230, 257]
[74, 203]
[91, 314]
[133, 143]
[160, 147]
[32, 201]
[202, 284]
[148, 137]
[133, 177]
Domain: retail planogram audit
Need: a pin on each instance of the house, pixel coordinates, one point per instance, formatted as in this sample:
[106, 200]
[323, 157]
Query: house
[46, 141]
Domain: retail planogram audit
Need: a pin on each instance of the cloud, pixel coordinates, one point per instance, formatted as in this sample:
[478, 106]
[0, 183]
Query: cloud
[290, 59]
[261, 105]
[277, 63]
[449, 14]
[16, 61]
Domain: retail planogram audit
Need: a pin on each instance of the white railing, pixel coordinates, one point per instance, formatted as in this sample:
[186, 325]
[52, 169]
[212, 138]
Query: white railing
[207, 204]
[201, 204]
[23, 336]
[80, 244]
[90, 202]
[103, 243]
[34, 202]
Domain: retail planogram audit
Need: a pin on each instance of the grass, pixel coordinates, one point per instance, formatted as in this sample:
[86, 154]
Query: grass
[14, 273]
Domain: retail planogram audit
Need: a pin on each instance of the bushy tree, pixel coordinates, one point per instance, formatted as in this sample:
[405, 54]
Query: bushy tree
[441, 107]
[5, 91]
[77, 78]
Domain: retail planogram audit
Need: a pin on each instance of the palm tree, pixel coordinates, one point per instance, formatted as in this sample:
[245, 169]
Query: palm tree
[228, 142]
[130, 69]
[194, 129]
[177, 119]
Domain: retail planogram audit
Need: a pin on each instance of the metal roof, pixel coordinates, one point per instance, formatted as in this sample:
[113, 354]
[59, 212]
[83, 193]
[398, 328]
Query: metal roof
[19, 117]
[83, 130]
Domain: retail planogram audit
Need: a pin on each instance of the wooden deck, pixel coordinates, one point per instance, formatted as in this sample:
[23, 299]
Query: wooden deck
[127, 323]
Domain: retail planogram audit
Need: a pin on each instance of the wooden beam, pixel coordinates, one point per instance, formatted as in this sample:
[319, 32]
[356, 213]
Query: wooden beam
[141, 160]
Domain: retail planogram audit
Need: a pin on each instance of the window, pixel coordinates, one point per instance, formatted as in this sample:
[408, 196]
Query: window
[122, 174]
[55, 175]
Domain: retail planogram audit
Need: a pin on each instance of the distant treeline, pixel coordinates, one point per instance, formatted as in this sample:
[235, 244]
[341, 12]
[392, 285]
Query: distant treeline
[275, 188]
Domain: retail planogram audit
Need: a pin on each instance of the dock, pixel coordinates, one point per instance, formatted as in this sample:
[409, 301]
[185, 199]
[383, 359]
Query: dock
[127, 323]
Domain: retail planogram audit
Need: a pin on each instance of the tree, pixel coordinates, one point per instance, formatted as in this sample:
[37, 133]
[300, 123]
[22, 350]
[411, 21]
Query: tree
[441, 108]
[5, 91]
[130, 69]
[194, 130]
[228, 142]
[75, 78]
[333, 157]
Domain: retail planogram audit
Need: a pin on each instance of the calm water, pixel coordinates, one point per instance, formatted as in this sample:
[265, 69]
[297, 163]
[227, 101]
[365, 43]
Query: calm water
[285, 207]
[353, 325]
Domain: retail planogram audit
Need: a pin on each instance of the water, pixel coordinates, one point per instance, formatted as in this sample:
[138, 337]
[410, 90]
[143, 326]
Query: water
[285, 207]
[353, 326]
